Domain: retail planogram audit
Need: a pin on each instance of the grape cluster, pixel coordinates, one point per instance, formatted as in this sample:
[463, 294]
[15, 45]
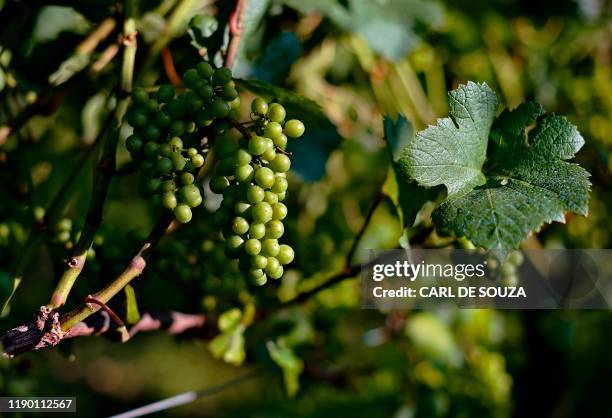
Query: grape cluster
[251, 175]
[165, 141]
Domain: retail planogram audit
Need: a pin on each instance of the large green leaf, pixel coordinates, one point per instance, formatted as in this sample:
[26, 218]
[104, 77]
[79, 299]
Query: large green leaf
[525, 182]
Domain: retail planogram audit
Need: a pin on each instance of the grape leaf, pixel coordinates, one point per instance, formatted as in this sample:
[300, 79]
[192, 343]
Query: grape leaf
[525, 182]
[291, 365]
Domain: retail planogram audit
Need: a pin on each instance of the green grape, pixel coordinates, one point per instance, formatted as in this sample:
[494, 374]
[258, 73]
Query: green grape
[197, 160]
[178, 161]
[244, 173]
[177, 108]
[134, 144]
[255, 194]
[294, 128]
[262, 212]
[257, 145]
[257, 230]
[242, 208]
[242, 157]
[187, 178]
[192, 152]
[218, 184]
[270, 247]
[271, 198]
[140, 96]
[229, 93]
[269, 154]
[240, 225]
[206, 92]
[277, 274]
[165, 150]
[176, 143]
[169, 200]
[234, 243]
[281, 196]
[182, 213]
[221, 76]
[225, 166]
[165, 93]
[273, 130]
[281, 141]
[276, 113]
[280, 185]
[177, 128]
[190, 194]
[280, 164]
[168, 186]
[154, 185]
[220, 108]
[205, 70]
[259, 261]
[137, 118]
[285, 254]
[258, 277]
[252, 246]
[259, 106]
[272, 266]
[279, 211]
[274, 229]
[152, 132]
[191, 78]
[264, 177]
[163, 118]
[164, 165]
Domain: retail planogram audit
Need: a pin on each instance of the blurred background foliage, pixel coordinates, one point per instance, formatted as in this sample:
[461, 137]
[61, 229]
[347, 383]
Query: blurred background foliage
[359, 60]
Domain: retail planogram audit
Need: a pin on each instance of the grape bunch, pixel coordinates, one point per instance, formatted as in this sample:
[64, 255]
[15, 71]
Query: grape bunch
[165, 142]
[251, 175]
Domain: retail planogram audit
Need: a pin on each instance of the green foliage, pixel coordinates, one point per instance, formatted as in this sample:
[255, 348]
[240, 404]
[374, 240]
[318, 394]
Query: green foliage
[525, 181]
[289, 362]
[229, 344]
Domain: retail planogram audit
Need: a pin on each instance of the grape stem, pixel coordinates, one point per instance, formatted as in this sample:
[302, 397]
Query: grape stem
[105, 172]
[236, 29]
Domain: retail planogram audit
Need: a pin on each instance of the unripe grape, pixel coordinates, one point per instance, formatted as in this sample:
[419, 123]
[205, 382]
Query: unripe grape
[262, 212]
[205, 70]
[140, 96]
[259, 106]
[187, 178]
[281, 196]
[234, 243]
[191, 78]
[165, 150]
[194, 102]
[270, 197]
[279, 211]
[177, 108]
[219, 108]
[281, 141]
[221, 76]
[252, 246]
[255, 194]
[152, 132]
[274, 229]
[218, 184]
[235, 104]
[264, 177]
[242, 157]
[134, 143]
[163, 118]
[285, 254]
[178, 161]
[242, 208]
[192, 152]
[190, 194]
[206, 92]
[197, 160]
[272, 266]
[182, 213]
[259, 261]
[177, 128]
[276, 112]
[258, 277]
[137, 118]
[168, 186]
[169, 200]
[240, 225]
[176, 143]
[280, 185]
[269, 154]
[154, 185]
[273, 130]
[277, 274]
[257, 230]
[164, 165]
[150, 150]
[165, 93]
[225, 166]
[270, 247]
[281, 163]
[229, 93]
[294, 128]
[244, 173]
[257, 145]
